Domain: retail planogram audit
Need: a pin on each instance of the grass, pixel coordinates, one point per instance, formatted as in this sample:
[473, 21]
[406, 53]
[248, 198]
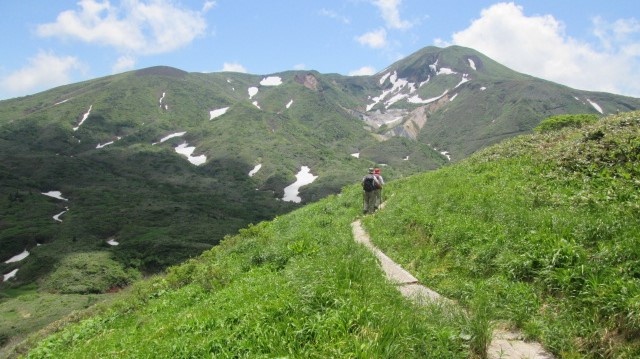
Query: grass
[28, 311]
[546, 226]
[298, 286]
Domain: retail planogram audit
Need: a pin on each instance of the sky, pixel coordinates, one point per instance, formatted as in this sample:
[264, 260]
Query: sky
[585, 44]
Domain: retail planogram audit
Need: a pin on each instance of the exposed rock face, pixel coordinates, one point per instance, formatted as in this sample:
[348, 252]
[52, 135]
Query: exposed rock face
[414, 123]
[309, 81]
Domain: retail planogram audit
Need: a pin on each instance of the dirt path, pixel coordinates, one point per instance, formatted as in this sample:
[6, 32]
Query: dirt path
[506, 344]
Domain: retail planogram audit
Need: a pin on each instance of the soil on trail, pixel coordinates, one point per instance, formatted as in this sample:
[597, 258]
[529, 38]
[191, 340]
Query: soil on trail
[506, 344]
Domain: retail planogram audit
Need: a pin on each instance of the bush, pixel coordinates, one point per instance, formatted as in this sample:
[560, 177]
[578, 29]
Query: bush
[93, 272]
[555, 123]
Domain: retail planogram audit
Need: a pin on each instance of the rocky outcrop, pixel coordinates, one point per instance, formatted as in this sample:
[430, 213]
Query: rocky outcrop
[307, 80]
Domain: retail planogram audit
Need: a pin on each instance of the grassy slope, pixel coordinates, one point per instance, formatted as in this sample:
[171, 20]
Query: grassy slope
[298, 286]
[547, 226]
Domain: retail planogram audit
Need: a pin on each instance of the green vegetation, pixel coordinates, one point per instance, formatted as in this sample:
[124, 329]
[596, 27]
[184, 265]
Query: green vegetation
[555, 123]
[297, 286]
[85, 273]
[547, 227]
[540, 232]
[27, 312]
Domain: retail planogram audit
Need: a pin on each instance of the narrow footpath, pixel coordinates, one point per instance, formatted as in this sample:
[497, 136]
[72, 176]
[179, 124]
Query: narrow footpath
[504, 345]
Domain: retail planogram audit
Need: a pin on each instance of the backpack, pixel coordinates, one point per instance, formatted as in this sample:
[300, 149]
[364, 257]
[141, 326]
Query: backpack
[369, 184]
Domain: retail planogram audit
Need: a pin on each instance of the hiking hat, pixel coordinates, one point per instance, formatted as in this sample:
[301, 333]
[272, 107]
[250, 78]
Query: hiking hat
[371, 170]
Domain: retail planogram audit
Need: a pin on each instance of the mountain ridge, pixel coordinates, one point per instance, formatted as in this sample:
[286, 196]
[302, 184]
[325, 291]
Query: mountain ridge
[162, 127]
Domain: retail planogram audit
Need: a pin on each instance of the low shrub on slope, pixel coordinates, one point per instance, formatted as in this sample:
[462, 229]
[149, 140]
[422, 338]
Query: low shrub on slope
[547, 226]
[297, 287]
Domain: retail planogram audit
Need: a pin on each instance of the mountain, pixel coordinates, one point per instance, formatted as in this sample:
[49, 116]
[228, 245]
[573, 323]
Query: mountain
[540, 232]
[157, 165]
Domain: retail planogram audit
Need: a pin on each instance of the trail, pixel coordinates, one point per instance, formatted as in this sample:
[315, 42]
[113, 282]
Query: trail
[506, 344]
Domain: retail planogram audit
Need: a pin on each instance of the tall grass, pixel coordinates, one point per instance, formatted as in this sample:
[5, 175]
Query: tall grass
[546, 226]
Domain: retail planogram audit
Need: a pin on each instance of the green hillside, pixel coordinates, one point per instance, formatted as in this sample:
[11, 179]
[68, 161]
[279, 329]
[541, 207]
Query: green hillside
[540, 232]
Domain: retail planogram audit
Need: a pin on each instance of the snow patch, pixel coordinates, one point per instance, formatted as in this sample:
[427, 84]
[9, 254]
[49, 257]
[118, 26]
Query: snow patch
[161, 98]
[187, 151]
[84, 118]
[356, 155]
[217, 113]
[445, 71]
[290, 103]
[482, 88]
[61, 102]
[55, 194]
[472, 64]
[406, 158]
[271, 81]
[252, 92]
[434, 66]
[255, 103]
[465, 78]
[384, 77]
[398, 86]
[453, 97]
[112, 242]
[18, 257]
[108, 143]
[57, 216]
[417, 99]
[255, 170]
[304, 177]
[10, 275]
[596, 106]
[168, 137]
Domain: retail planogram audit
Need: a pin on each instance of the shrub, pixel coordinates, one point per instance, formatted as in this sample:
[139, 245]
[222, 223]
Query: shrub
[93, 272]
[555, 123]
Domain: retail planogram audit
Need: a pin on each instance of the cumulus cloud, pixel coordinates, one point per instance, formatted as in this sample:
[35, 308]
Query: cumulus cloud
[539, 46]
[136, 26]
[124, 63]
[376, 39]
[299, 67]
[233, 67]
[363, 71]
[391, 14]
[45, 70]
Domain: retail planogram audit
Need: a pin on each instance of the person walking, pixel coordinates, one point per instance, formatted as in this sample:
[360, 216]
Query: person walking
[369, 185]
[378, 191]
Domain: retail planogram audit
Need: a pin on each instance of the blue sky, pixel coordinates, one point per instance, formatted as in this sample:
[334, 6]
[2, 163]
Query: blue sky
[586, 44]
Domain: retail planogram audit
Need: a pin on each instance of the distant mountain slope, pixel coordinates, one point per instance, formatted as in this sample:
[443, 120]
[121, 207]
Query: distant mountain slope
[539, 232]
[159, 160]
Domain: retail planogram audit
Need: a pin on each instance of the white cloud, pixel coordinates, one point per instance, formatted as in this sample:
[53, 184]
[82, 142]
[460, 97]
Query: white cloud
[45, 70]
[124, 63]
[538, 45]
[151, 27]
[363, 71]
[233, 67]
[299, 67]
[391, 14]
[208, 5]
[375, 39]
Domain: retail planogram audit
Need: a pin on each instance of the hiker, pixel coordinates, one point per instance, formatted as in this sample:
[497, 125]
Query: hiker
[378, 191]
[369, 185]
